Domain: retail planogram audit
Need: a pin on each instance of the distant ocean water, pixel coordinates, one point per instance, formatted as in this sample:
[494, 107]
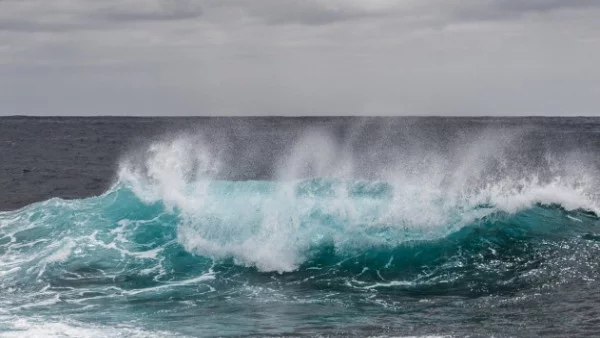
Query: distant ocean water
[195, 227]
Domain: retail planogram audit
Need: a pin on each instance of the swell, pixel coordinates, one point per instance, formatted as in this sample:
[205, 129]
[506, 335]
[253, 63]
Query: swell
[292, 242]
[386, 225]
[475, 217]
[263, 226]
[353, 193]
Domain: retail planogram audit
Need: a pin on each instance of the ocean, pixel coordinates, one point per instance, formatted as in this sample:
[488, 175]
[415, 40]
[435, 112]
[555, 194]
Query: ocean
[272, 226]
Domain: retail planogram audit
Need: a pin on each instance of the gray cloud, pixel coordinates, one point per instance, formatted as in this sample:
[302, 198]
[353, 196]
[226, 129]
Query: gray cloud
[159, 10]
[540, 5]
[28, 26]
[292, 57]
[304, 12]
[504, 9]
[64, 15]
[320, 12]
[68, 15]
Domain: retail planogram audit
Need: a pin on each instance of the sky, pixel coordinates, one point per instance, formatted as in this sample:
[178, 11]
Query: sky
[299, 57]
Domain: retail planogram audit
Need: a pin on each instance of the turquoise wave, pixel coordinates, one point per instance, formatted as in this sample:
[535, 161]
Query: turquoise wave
[119, 240]
[127, 255]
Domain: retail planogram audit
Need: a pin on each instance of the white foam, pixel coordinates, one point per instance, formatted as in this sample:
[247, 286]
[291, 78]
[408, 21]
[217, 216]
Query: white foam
[62, 253]
[32, 327]
[166, 170]
[433, 194]
[390, 284]
[209, 276]
[9, 271]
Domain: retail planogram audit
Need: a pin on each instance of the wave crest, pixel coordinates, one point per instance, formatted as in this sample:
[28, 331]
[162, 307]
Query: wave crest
[274, 224]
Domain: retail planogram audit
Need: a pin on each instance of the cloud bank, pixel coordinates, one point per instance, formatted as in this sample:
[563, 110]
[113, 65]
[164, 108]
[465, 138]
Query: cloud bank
[299, 57]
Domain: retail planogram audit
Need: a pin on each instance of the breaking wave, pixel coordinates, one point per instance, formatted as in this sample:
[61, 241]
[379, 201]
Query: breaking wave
[173, 228]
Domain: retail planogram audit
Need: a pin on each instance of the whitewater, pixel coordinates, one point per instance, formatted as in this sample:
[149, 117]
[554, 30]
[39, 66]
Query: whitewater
[369, 229]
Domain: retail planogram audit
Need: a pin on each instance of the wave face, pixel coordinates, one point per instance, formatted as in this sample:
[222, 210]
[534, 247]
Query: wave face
[323, 241]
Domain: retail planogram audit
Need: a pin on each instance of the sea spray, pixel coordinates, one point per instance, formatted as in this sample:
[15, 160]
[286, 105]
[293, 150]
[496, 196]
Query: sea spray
[337, 223]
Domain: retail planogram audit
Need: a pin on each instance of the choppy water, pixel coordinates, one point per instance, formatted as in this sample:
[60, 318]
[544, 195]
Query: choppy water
[335, 227]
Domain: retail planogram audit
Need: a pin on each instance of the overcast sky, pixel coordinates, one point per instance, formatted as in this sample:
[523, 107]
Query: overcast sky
[300, 57]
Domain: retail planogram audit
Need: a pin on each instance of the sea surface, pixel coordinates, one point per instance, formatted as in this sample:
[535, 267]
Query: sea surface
[332, 227]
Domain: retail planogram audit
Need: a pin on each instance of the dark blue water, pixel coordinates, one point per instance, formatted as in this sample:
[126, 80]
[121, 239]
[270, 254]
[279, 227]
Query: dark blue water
[300, 227]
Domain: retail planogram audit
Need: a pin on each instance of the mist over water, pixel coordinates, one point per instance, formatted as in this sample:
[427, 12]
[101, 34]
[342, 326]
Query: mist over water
[338, 227]
[360, 183]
